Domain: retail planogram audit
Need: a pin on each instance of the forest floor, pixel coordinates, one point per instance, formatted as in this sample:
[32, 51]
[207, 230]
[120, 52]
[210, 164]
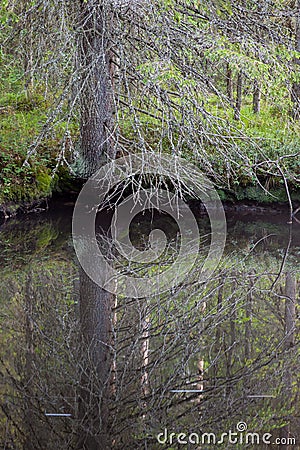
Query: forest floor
[35, 165]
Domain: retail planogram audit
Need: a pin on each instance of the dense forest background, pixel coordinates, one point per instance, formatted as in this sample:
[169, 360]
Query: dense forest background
[216, 82]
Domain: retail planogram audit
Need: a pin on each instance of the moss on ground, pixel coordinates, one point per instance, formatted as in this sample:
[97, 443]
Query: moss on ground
[22, 117]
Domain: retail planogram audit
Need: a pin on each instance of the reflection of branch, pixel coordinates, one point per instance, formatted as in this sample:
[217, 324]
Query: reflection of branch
[295, 212]
[276, 163]
[284, 259]
[254, 246]
[297, 220]
[145, 356]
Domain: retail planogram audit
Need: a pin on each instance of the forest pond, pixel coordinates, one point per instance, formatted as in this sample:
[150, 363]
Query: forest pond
[216, 364]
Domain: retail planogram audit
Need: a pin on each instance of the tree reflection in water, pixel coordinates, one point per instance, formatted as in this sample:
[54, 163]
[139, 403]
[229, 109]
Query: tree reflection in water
[200, 360]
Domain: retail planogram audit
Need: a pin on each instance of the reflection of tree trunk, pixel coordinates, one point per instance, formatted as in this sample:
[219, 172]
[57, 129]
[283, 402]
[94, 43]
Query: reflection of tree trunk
[145, 363]
[290, 309]
[219, 307]
[113, 343]
[200, 366]
[200, 385]
[248, 324]
[230, 350]
[238, 103]
[218, 327]
[145, 356]
[29, 367]
[97, 365]
[290, 321]
[232, 338]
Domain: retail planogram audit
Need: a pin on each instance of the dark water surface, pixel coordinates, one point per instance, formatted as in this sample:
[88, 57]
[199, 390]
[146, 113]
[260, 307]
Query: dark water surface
[221, 357]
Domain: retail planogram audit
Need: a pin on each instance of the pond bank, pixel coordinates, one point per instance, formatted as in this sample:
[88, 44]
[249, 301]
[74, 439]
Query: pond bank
[63, 191]
[245, 207]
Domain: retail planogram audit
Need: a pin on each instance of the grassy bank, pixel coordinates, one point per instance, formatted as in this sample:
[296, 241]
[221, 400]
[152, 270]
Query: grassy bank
[272, 135]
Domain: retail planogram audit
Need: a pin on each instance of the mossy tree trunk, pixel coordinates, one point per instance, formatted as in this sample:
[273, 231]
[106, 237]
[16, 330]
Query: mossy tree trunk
[95, 66]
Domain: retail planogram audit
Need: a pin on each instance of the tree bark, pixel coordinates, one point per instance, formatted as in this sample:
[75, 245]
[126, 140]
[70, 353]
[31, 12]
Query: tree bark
[95, 64]
[238, 103]
[256, 97]
[229, 84]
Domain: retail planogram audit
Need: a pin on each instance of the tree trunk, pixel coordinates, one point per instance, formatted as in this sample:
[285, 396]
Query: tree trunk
[229, 84]
[290, 324]
[96, 85]
[28, 59]
[256, 97]
[238, 103]
[295, 94]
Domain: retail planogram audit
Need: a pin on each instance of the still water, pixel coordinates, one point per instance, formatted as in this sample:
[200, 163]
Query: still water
[208, 365]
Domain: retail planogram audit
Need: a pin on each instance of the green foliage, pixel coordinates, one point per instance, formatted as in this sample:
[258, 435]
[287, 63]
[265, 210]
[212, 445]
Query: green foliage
[23, 102]
[22, 115]
[46, 236]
